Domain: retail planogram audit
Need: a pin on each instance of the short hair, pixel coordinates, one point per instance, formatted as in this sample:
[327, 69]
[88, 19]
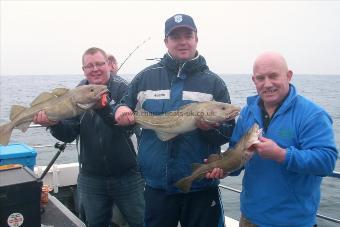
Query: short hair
[111, 59]
[92, 51]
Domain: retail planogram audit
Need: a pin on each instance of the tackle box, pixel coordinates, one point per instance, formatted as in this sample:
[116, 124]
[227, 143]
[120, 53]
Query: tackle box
[18, 153]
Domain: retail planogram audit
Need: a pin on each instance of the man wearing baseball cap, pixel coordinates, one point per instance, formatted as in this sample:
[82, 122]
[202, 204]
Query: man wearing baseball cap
[180, 78]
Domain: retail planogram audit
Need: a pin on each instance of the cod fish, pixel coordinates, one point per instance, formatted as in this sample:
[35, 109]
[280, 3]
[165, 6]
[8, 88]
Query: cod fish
[171, 124]
[231, 160]
[59, 104]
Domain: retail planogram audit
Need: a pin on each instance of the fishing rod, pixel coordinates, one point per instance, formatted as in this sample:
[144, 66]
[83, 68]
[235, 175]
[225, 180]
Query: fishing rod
[61, 148]
[137, 47]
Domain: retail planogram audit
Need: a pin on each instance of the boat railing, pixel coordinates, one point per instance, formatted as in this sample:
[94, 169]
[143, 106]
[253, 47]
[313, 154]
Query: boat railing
[335, 174]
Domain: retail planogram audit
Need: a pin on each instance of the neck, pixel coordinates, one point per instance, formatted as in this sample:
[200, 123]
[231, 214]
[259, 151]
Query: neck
[270, 109]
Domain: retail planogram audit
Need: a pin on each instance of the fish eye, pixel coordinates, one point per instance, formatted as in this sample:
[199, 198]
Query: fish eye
[92, 90]
[223, 108]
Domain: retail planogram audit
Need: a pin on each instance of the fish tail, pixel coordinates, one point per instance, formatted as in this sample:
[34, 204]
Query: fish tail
[184, 184]
[5, 133]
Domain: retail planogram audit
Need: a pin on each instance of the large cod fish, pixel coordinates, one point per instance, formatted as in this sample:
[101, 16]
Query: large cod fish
[59, 104]
[231, 160]
[171, 124]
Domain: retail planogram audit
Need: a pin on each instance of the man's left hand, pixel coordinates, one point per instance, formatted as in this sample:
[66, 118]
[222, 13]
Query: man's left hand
[268, 149]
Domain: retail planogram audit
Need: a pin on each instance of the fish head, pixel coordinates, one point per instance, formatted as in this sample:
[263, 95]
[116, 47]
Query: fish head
[215, 112]
[253, 135]
[88, 94]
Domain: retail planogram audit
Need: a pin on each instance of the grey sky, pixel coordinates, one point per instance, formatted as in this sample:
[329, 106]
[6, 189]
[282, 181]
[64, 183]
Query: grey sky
[49, 37]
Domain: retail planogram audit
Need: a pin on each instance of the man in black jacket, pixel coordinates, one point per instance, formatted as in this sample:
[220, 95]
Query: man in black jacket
[107, 159]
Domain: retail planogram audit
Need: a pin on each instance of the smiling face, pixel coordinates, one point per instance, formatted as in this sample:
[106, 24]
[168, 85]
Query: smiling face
[96, 68]
[182, 43]
[271, 78]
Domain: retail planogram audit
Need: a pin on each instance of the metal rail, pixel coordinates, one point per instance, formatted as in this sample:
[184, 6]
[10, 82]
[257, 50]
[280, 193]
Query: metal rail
[335, 174]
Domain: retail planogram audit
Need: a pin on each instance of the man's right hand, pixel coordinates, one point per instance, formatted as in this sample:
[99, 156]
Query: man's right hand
[42, 119]
[124, 116]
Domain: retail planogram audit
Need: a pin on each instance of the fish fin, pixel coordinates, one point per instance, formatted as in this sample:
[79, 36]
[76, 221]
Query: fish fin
[16, 110]
[184, 184]
[5, 133]
[85, 106]
[227, 152]
[165, 136]
[214, 158]
[43, 97]
[24, 126]
[195, 166]
[59, 91]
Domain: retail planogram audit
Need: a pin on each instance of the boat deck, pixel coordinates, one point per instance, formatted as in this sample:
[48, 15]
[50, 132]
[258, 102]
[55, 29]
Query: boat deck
[57, 215]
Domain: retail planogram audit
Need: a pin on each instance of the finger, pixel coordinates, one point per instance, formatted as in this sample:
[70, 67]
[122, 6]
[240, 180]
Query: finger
[221, 174]
[131, 118]
[263, 139]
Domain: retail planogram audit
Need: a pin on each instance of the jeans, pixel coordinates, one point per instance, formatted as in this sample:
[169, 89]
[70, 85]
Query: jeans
[97, 194]
[193, 209]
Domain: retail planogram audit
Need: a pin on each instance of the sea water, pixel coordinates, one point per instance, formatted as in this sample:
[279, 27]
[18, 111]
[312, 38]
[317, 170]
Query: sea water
[322, 89]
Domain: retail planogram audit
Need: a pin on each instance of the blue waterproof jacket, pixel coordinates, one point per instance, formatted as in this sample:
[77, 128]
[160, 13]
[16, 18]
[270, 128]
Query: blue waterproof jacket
[164, 87]
[288, 193]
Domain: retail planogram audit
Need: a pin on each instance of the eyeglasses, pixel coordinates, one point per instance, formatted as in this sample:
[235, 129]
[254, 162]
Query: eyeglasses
[91, 66]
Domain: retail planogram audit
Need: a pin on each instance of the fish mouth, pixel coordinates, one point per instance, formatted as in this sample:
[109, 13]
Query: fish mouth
[232, 115]
[103, 92]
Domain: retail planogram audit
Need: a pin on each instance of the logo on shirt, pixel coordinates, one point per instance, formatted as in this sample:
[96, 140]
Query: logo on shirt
[159, 95]
[285, 133]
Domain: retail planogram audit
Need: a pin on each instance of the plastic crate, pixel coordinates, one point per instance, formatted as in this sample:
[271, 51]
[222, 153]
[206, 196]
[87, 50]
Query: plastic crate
[18, 153]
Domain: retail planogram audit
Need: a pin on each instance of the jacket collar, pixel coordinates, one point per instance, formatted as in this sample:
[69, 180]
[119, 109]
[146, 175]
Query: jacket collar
[191, 66]
[253, 102]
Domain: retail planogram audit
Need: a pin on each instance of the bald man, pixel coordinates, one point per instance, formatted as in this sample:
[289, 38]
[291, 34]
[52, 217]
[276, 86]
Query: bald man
[281, 183]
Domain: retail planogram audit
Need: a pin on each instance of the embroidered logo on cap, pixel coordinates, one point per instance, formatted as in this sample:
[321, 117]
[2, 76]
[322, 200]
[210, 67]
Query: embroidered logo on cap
[178, 18]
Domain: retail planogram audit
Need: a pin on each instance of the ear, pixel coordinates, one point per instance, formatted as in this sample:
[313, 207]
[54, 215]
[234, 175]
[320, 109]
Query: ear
[253, 78]
[289, 75]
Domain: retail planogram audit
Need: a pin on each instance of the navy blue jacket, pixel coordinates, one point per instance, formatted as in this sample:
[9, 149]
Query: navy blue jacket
[105, 149]
[164, 87]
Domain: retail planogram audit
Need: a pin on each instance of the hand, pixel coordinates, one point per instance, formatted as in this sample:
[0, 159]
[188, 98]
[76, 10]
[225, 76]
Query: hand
[202, 124]
[216, 173]
[42, 119]
[268, 149]
[124, 116]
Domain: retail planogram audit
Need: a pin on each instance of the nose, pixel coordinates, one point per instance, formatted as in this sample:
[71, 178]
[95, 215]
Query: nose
[95, 68]
[267, 82]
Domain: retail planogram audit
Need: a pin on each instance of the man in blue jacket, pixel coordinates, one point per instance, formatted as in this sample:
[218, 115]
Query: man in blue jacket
[281, 183]
[181, 77]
